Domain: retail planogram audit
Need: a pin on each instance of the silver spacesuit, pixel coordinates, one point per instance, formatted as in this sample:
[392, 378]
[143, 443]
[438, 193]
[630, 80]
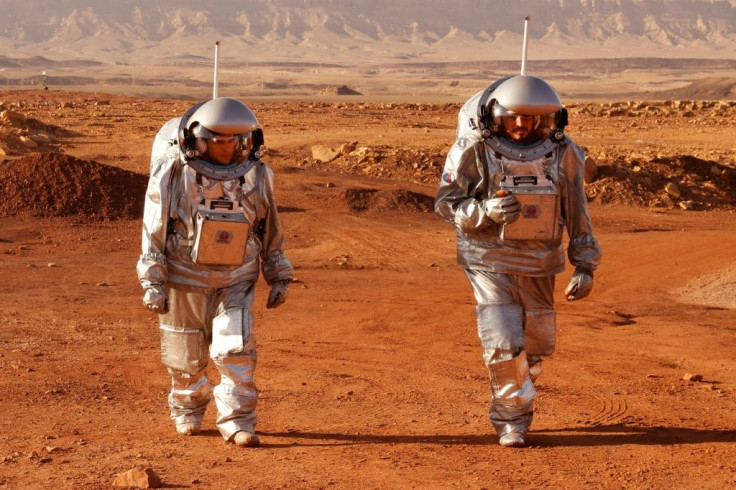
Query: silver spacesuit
[512, 182]
[209, 223]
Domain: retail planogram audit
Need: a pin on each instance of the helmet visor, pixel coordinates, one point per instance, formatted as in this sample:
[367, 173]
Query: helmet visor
[521, 129]
[226, 139]
[222, 149]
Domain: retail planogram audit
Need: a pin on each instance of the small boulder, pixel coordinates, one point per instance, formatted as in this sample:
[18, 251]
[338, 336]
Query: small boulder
[672, 189]
[13, 118]
[324, 153]
[138, 479]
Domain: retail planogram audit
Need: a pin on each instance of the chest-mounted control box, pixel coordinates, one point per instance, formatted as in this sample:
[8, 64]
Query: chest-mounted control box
[221, 233]
[538, 197]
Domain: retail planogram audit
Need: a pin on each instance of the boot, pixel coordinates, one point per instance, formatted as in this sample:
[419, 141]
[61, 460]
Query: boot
[512, 439]
[246, 439]
[189, 428]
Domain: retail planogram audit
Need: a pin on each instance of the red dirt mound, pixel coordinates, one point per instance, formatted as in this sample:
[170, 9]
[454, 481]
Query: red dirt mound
[54, 184]
[366, 200]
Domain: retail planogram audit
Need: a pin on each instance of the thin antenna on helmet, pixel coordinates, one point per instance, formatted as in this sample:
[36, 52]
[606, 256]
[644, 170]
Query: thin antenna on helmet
[217, 66]
[523, 47]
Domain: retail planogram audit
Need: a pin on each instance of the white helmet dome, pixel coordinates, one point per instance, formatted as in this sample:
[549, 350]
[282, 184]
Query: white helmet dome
[225, 116]
[529, 95]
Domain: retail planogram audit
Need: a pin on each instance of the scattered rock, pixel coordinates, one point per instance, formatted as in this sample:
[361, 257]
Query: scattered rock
[664, 182]
[41, 138]
[672, 190]
[146, 478]
[20, 134]
[324, 154]
[12, 118]
[693, 377]
[28, 142]
[384, 161]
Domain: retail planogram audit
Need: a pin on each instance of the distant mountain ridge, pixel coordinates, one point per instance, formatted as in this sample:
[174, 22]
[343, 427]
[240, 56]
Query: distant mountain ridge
[140, 31]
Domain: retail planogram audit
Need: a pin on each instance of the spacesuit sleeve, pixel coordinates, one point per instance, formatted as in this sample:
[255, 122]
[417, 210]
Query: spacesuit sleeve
[462, 187]
[275, 265]
[152, 266]
[583, 250]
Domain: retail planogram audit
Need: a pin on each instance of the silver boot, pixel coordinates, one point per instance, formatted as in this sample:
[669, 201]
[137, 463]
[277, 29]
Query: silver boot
[512, 407]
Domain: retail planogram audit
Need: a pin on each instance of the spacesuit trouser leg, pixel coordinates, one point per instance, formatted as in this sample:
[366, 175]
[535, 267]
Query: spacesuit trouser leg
[536, 295]
[184, 353]
[233, 350]
[501, 329]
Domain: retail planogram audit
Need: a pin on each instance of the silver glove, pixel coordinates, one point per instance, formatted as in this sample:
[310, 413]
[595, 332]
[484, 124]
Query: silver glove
[156, 299]
[502, 209]
[277, 295]
[580, 286]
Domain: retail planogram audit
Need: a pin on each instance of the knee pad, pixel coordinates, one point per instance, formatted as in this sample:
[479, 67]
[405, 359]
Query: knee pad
[183, 349]
[500, 326]
[540, 332]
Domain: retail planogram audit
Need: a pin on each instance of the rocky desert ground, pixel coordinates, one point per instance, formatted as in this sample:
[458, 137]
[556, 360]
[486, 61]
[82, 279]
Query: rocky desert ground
[371, 374]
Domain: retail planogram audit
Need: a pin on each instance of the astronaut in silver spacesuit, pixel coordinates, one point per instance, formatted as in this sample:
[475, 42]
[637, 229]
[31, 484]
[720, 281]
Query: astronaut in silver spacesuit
[210, 223]
[512, 182]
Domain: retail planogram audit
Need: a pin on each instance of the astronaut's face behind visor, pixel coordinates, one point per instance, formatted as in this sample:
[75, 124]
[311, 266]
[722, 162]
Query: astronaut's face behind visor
[221, 148]
[520, 127]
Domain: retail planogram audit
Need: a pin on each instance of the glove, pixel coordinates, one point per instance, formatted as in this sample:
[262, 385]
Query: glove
[502, 209]
[277, 295]
[156, 299]
[581, 284]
